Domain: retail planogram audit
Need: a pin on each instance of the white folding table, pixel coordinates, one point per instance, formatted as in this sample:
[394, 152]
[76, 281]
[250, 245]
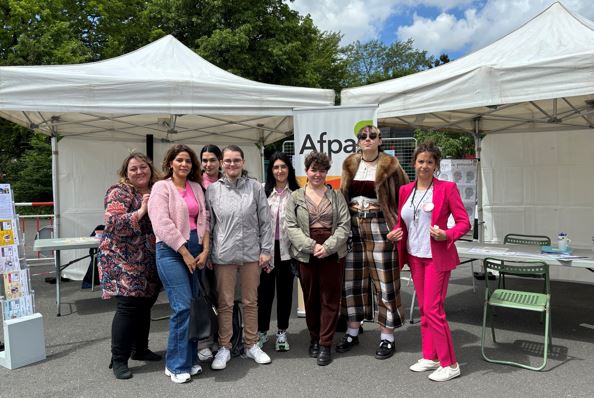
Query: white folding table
[58, 244]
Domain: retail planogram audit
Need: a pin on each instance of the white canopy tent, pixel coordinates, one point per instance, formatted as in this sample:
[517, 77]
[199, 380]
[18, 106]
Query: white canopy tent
[528, 99]
[100, 111]
[538, 77]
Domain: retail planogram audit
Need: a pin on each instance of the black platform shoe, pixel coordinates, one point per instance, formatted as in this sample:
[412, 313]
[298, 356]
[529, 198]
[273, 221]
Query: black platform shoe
[325, 356]
[385, 350]
[314, 349]
[146, 355]
[347, 343]
[120, 369]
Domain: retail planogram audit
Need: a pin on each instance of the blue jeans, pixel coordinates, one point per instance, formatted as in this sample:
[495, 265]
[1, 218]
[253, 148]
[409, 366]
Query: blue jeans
[177, 280]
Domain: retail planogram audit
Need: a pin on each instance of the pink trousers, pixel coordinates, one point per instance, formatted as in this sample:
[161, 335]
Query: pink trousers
[431, 286]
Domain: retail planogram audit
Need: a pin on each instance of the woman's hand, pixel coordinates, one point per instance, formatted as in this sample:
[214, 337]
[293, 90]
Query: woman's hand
[201, 259]
[144, 205]
[264, 260]
[436, 233]
[395, 235]
[190, 261]
[320, 251]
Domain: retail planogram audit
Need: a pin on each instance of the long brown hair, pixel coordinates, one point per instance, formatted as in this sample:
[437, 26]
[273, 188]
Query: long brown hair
[195, 174]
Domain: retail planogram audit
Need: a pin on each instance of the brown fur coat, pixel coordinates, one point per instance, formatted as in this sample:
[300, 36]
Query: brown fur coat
[389, 177]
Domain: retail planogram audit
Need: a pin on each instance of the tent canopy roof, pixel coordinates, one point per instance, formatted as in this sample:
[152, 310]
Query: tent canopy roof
[540, 76]
[164, 89]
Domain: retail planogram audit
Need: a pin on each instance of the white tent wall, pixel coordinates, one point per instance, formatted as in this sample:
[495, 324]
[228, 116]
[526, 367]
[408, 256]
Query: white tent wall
[540, 183]
[87, 167]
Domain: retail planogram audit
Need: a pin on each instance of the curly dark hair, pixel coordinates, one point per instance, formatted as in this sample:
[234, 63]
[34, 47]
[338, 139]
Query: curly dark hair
[195, 174]
[429, 147]
[271, 181]
[318, 159]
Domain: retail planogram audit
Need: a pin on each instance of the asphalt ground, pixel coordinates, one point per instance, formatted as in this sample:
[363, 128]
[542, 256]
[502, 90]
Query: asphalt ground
[78, 353]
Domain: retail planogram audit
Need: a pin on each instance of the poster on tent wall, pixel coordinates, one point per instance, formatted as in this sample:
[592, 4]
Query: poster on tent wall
[331, 130]
[463, 173]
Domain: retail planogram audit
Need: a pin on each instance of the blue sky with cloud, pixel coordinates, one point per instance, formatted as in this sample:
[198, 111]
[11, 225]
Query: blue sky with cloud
[455, 27]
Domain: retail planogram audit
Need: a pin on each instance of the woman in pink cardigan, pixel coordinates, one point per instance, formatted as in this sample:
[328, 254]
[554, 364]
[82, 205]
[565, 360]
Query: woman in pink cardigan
[426, 244]
[181, 223]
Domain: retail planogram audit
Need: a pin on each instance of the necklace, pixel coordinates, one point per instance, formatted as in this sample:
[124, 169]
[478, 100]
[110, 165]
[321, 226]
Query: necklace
[416, 209]
[370, 161]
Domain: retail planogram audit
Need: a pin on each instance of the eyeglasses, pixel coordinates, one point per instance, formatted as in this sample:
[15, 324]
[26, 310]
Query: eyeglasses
[229, 162]
[363, 136]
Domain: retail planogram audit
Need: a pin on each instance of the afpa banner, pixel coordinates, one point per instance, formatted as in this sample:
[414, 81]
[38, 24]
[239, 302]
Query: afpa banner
[332, 130]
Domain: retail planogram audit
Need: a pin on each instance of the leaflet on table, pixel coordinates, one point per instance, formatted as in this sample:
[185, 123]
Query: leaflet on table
[16, 284]
[8, 235]
[9, 258]
[16, 308]
[6, 203]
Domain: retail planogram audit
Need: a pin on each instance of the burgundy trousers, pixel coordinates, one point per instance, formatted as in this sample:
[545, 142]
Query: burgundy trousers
[321, 280]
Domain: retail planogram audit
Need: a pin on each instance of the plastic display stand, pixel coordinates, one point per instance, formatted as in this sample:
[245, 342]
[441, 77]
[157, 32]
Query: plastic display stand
[24, 341]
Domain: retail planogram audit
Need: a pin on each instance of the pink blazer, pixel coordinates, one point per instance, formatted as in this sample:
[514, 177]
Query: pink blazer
[169, 213]
[446, 201]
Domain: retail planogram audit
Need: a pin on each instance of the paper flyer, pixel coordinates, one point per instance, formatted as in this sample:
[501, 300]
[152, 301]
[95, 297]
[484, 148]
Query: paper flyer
[16, 284]
[17, 308]
[8, 234]
[9, 258]
[6, 204]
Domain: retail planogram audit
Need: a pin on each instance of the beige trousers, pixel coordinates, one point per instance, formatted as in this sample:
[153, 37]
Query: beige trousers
[249, 279]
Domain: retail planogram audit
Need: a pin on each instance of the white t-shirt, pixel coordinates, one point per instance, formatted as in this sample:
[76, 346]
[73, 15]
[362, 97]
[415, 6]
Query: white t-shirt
[419, 239]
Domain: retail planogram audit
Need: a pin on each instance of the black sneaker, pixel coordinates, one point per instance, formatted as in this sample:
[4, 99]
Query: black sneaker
[347, 343]
[385, 350]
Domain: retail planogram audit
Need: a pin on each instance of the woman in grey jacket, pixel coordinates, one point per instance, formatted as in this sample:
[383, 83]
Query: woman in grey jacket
[318, 224]
[241, 242]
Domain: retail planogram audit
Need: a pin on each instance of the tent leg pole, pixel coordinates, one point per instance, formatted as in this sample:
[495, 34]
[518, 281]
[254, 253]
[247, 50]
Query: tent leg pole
[56, 197]
[479, 180]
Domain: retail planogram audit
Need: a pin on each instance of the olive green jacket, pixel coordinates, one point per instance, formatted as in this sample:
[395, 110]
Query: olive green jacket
[297, 225]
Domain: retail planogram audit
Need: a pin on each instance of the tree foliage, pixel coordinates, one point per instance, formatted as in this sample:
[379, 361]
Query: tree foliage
[452, 145]
[374, 61]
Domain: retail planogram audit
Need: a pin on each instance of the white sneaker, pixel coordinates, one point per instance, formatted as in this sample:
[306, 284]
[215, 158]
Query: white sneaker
[205, 354]
[178, 378]
[257, 355]
[220, 360]
[262, 338]
[423, 365]
[445, 374]
[196, 370]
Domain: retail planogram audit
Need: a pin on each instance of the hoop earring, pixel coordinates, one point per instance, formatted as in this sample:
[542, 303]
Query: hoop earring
[437, 172]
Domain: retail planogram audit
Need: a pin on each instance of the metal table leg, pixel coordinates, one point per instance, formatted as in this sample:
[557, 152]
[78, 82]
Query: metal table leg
[58, 278]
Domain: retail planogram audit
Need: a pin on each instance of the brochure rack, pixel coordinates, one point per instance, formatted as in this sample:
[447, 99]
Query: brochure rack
[24, 341]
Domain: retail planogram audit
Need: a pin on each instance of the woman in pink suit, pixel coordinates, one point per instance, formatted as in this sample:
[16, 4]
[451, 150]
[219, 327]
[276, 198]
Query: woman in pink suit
[426, 244]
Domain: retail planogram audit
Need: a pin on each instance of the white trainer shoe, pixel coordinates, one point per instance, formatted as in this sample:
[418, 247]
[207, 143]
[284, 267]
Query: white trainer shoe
[220, 360]
[445, 374]
[256, 353]
[196, 370]
[178, 378]
[205, 354]
[422, 365]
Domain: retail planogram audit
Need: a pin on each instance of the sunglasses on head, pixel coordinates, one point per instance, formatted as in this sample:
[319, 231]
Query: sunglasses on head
[372, 136]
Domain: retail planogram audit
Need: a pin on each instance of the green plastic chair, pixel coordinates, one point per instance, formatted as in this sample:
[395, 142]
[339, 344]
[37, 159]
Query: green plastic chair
[519, 239]
[519, 300]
